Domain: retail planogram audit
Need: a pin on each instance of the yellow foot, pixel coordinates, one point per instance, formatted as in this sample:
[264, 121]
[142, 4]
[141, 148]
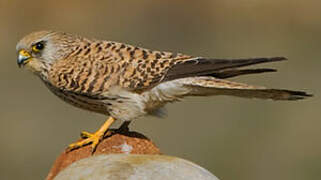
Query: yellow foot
[92, 139]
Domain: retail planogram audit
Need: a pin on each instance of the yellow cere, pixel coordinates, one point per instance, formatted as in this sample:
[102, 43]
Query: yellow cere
[24, 53]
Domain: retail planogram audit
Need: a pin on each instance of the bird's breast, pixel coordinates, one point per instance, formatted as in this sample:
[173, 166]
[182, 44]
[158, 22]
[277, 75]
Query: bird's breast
[80, 101]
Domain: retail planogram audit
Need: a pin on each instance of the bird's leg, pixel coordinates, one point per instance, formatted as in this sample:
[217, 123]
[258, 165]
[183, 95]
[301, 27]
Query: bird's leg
[124, 127]
[94, 138]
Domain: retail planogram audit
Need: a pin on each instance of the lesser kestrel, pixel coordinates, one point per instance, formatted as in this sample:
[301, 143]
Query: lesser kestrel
[126, 82]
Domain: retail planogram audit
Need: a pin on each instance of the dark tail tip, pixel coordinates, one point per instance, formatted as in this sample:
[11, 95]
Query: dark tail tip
[298, 95]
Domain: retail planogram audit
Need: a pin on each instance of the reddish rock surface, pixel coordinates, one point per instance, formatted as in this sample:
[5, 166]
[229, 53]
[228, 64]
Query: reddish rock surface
[118, 142]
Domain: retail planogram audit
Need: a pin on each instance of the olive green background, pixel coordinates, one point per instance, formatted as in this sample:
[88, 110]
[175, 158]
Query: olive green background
[233, 138]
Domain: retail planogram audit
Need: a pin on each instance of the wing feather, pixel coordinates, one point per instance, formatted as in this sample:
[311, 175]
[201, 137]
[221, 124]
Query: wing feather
[186, 66]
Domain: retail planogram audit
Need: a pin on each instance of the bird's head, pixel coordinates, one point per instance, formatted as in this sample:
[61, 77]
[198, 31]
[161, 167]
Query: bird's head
[39, 50]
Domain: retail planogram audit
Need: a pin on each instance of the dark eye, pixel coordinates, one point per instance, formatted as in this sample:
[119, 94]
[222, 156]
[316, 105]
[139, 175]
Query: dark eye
[38, 47]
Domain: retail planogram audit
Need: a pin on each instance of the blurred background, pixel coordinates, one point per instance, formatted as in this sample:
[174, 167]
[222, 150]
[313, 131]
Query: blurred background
[233, 138]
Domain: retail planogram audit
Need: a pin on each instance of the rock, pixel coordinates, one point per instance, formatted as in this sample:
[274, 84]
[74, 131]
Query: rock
[134, 167]
[124, 155]
[125, 142]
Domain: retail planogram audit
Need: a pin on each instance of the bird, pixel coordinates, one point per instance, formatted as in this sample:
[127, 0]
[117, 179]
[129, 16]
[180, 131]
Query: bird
[125, 82]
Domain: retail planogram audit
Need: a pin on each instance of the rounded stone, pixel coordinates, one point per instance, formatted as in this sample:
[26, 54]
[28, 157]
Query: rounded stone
[134, 167]
[127, 142]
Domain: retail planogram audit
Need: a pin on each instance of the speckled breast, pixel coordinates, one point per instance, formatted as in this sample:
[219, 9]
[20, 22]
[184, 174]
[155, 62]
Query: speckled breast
[80, 101]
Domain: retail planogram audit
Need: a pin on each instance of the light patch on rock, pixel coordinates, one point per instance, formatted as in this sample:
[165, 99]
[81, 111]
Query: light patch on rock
[125, 148]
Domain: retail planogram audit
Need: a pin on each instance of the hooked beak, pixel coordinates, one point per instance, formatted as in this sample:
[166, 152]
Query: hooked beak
[23, 58]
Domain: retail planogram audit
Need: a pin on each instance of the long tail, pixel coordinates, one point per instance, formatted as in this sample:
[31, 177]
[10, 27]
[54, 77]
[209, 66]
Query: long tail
[205, 86]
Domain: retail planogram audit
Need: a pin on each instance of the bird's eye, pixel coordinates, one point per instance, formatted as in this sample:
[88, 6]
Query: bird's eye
[38, 47]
